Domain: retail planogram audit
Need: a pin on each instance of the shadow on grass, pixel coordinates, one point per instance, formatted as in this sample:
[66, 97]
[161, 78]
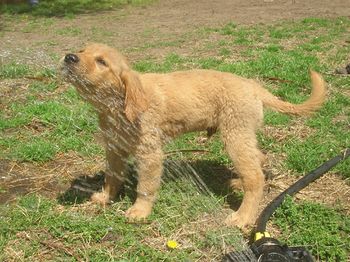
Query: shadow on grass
[208, 177]
[81, 189]
[59, 8]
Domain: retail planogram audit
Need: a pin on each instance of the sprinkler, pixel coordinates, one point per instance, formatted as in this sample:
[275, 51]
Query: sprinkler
[268, 249]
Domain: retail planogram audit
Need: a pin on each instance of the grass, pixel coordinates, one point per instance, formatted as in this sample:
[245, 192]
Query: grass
[35, 224]
[321, 229]
[42, 119]
[45, 127]
[67, 8]
[13, 70]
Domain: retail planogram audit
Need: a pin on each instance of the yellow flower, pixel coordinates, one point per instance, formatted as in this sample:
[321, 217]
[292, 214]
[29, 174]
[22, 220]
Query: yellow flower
[172, 244]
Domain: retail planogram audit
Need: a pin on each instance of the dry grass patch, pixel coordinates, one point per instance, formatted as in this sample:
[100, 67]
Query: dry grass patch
[49, 178]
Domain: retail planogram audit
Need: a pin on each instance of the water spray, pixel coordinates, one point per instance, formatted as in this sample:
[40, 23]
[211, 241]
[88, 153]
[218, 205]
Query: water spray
[268, 249]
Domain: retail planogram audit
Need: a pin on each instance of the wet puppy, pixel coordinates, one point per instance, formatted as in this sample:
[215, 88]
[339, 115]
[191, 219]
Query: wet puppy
[139, 112]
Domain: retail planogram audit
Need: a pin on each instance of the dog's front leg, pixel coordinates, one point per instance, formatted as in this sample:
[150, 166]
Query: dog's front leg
[114, 177]
[150, 168]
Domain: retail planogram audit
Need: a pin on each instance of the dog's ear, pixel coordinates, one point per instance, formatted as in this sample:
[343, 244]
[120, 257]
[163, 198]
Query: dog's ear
[135, 99]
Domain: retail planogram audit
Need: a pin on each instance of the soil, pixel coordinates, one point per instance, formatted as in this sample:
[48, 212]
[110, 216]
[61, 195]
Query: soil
[164, 20]
[130, 28]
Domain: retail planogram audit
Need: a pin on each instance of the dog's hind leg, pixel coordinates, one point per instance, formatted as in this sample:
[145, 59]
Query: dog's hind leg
[241, 145]
[236, 183]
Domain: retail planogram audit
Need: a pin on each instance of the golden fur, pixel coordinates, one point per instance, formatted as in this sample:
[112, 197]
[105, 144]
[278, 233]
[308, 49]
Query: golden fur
[139, 112]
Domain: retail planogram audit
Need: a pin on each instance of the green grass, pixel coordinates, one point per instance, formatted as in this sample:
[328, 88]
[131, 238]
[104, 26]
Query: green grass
[171, 62]
[67, 8]
[103, 234]
[13, 70]
[323, 230]
[37, 129]
[70, 31]
[39, 122]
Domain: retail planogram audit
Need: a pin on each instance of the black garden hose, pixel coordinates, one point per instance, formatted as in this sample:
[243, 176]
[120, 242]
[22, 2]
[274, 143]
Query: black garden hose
[296, 187]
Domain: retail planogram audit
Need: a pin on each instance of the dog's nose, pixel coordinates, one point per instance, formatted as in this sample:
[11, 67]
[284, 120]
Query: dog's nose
[71, 58]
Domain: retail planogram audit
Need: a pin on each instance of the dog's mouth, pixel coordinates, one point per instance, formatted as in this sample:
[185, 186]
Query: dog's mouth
[65, 71]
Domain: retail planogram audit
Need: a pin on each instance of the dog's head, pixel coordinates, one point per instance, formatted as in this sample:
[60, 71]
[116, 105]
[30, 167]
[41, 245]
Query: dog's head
[99, 71]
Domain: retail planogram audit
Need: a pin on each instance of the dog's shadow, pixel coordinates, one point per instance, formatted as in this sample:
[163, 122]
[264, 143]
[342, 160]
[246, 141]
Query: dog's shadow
[209, 177]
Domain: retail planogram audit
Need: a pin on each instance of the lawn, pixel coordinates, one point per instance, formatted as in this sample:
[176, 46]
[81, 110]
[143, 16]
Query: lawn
[49, 142]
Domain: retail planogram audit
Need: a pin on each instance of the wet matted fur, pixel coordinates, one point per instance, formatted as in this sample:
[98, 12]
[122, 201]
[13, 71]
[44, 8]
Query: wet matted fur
[139, 112]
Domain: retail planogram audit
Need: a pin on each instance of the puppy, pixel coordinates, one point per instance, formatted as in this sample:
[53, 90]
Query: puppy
[138, 113]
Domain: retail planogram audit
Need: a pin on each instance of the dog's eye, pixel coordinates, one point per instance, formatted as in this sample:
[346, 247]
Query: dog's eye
[101, 61]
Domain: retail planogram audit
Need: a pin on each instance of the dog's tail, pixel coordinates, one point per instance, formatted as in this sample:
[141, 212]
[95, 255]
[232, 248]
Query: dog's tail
[314, 102]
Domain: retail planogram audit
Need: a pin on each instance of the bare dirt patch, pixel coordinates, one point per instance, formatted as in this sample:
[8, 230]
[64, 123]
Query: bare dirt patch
[162, 21]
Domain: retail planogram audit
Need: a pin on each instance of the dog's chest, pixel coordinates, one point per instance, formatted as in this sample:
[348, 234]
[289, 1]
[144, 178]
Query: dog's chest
[118, 133]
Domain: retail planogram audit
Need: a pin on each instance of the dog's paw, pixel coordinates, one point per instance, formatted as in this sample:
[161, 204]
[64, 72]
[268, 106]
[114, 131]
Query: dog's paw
[100, 198]
[236, 219]
[137, 212]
